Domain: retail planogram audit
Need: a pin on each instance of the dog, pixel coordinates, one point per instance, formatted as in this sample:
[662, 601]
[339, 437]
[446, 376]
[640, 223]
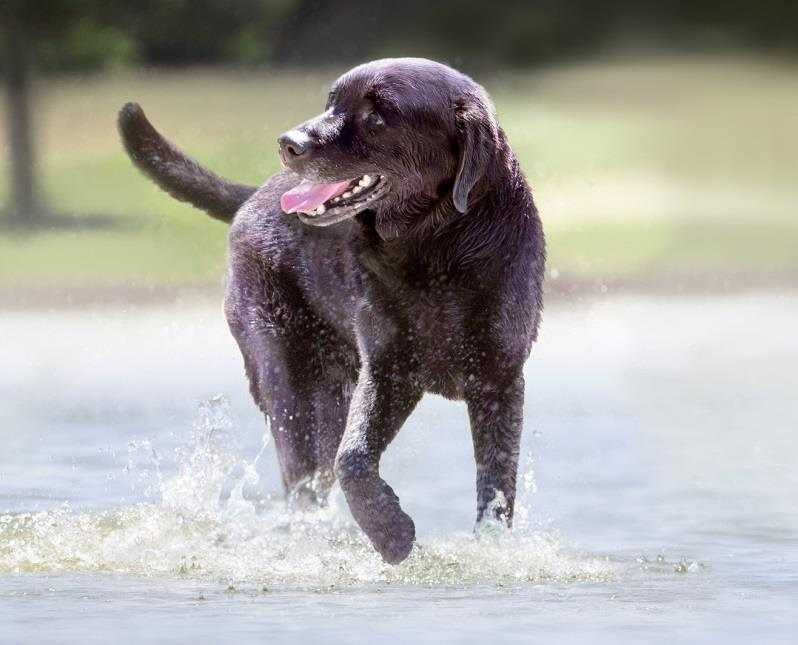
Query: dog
[399, 252]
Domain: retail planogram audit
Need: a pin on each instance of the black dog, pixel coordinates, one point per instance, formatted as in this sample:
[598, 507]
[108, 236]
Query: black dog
[414, 264]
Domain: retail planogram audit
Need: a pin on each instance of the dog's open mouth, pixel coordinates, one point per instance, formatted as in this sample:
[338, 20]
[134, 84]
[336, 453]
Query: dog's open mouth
[323, 204]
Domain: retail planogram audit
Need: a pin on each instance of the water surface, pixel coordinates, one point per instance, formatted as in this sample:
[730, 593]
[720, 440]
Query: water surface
[657, 489]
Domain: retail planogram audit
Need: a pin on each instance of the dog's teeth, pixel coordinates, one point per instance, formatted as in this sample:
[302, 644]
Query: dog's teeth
[336, 199]
[320, 210]
[365, 181]
[347, 194]
[357, 189]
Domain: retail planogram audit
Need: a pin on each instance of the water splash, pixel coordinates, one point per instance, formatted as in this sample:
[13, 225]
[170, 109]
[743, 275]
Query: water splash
[194, 530]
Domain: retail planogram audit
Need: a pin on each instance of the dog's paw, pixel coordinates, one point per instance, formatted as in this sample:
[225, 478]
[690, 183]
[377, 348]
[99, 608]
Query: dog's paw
[376, 509]
[395, 541]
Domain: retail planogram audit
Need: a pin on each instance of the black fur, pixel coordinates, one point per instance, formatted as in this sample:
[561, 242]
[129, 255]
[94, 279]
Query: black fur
[180, 176]
[435, 287]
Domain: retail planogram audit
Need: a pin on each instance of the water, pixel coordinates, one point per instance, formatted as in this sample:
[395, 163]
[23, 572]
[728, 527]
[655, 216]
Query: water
[658, 489]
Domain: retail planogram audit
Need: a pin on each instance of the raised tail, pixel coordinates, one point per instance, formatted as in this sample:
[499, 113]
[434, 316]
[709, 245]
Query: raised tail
[176, 173]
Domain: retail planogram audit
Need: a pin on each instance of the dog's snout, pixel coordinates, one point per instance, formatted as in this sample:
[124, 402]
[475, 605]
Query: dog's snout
[293, 144]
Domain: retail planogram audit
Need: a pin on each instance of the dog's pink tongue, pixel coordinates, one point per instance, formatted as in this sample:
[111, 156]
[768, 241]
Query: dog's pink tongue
[306, 196]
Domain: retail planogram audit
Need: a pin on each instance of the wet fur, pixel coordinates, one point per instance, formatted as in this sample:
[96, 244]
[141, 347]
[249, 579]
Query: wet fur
[436, 289]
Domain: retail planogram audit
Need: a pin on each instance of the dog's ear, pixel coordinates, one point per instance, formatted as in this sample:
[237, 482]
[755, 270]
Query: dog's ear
[477, 134]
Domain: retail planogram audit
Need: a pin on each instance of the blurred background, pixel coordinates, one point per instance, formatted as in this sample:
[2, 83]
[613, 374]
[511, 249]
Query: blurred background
[660, 139]
[658, 459]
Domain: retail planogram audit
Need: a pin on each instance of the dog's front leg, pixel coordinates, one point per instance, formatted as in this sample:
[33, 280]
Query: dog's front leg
[383, 399]
[495, 409]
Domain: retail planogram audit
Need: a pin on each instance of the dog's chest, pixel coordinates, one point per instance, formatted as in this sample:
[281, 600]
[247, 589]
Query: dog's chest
[434, 327]
[436, 313]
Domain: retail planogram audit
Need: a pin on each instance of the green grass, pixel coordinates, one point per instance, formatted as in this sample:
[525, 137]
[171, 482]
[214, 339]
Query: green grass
[641, 170]
[657, 249]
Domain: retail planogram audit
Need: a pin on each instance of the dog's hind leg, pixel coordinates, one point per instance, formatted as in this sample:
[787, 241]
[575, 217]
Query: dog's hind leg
[317, 430]
[303, 389]
[331, 398]
[285, 403]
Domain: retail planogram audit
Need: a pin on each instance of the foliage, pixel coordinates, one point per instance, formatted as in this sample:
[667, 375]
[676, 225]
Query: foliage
[92, 34]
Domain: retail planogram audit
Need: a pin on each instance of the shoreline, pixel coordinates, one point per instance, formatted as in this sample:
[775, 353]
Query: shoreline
[72, 296]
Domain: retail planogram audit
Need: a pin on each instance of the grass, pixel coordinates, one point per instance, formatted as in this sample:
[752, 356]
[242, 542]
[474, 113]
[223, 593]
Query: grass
[642, 169]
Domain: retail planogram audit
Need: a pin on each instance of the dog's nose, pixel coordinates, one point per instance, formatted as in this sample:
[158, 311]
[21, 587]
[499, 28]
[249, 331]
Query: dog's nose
[293, 144]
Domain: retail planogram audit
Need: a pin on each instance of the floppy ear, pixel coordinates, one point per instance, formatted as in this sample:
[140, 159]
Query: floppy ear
[477, 134]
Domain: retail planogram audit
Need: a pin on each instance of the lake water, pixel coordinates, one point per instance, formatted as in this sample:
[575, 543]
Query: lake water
[657, 497]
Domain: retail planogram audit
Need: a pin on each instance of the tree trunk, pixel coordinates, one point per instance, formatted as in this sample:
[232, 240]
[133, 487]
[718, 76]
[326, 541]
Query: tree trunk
[24, 206]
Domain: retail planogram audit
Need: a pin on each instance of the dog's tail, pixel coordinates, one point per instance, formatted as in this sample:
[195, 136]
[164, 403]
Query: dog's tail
[176, 173]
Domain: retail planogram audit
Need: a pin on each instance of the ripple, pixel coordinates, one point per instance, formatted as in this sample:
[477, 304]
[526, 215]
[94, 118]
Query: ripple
[195, 531]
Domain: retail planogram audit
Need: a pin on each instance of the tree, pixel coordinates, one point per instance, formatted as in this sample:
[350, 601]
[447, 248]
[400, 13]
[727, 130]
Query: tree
[24, 207]
[32, 34]
[64, 35]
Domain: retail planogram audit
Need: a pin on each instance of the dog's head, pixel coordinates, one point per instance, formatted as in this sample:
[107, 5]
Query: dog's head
[397, 136]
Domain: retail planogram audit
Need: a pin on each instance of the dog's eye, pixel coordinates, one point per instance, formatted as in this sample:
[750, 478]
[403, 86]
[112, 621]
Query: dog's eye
[374, 120]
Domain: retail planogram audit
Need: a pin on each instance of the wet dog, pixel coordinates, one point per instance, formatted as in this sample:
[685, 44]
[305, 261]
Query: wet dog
[398, 253]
